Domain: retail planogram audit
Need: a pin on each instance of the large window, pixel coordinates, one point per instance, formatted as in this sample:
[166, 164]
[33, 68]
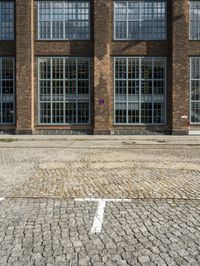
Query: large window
[195, 20]
[140, 20]
[63, 20]
[64, 90]
[195, 90]
[6, 20]
[7, 91]
[140, 90]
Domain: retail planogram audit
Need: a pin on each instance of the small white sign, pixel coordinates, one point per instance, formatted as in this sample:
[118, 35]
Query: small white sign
[184, 117]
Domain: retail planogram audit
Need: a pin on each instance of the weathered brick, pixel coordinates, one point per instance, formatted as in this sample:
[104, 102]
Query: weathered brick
[101, 49]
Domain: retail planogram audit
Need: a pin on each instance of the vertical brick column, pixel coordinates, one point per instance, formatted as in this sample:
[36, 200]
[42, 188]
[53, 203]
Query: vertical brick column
[102, 66]
[24, 66]
[180, 66]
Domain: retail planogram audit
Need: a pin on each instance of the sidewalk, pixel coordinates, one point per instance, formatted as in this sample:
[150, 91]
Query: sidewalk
[135, 139]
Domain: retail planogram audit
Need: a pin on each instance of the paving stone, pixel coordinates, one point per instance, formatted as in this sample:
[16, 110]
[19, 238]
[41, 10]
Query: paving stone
[41, 224]
[143, 259]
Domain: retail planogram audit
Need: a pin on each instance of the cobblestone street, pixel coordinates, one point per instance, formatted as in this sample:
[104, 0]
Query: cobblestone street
[47, 187]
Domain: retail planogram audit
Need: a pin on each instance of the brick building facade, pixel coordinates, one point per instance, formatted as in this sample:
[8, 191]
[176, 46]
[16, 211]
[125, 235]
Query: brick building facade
[100, 66]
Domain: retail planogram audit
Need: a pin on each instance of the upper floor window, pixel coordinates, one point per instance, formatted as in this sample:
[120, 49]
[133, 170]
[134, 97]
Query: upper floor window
[195, 20]
[140, 20]
[63, 20]
[6, 20]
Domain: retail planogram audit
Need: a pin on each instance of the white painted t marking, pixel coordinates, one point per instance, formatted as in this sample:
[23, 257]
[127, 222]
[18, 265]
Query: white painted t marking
[98, 219]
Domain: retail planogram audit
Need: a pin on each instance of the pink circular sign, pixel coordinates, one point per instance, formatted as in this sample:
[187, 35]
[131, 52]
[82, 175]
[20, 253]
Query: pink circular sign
[101, 101]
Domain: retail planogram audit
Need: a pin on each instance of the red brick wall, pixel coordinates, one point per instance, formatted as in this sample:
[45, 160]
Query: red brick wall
[24, 66]
[180, 66]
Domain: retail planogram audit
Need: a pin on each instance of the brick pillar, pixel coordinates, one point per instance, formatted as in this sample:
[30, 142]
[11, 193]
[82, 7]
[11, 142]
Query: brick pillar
[102, 67]
[24, 66]
[180, 66]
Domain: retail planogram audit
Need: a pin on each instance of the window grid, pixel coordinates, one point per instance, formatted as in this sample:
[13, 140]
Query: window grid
[59, 20]
[7, 91]
[140, 20]
[62, 98]
[140, 90]
[195, 20]
[6, 20]
[195, 90]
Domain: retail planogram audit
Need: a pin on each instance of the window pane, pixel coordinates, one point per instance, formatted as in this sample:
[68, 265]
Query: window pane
[64, 90]
[121, 113]
[7, 112]
[147, 68]
[57, 68]
[195, 20]
[45, 68]
[6, 20]
[45, 90]
[57, 113]
[45, 113]
[120, 89]
[195, 112]
[7, 91]
[70, 113]
[140, 90]
[83, 70]
[57, 90]
[133, 90]
[133, 68]
[133, 113]
[120, 68]
[146, 113]
[159, 113]
[83, 113]
[121, 11]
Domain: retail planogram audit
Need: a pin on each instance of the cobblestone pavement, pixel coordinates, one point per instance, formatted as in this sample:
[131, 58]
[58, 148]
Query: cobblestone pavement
[42, 224]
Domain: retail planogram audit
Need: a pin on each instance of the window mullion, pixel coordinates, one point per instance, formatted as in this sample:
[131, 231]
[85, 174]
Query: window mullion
[166, 16]
[153, 118]
[1, 100]
[38, 21]
[63, 21]
[38, 90]
[51, 84]
[64, 96]
[140, 88]
[152, 20]
[127, 18]
[139, 21]
[76, 21]
[76, 90]
[114, 21]
[190, 90]
[127, 63]
[165, 91]
[51, 22]
[0, 20]
[14, 93]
